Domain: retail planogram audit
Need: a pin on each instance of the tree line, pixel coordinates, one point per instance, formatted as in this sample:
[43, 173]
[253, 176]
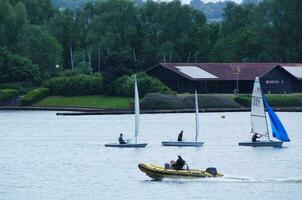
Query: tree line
[119, 37]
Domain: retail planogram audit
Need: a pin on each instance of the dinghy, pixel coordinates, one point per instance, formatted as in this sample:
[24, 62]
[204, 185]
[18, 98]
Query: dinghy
[188, 143]
[137, 113]
[158, 173]
[259, 123]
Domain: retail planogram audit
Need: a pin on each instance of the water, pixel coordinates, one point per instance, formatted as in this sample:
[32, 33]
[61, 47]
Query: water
[44, 156]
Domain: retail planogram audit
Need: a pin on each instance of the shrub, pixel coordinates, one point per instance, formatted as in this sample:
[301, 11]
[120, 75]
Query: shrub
[8, 94]
[275, 100]
[244, 100]
[278, 100]
[34, 96]
[161, 101]
[78, 85]
[210, 101]
[124, 86]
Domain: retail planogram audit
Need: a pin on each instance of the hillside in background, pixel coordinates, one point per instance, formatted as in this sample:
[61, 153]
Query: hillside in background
[213, 11]
[250, 1]
[74, 4]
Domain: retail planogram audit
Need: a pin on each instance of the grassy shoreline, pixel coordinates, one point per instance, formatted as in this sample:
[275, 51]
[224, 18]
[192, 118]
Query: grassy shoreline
[97, 101]
[206, 101]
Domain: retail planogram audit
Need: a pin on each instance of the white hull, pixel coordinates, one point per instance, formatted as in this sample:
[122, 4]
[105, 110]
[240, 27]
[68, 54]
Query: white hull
[261, 144]
[117, 145]
[181, 144]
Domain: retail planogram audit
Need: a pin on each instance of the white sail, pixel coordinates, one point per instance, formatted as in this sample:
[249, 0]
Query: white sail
[136, 109]
[196, 116]
[258, 118]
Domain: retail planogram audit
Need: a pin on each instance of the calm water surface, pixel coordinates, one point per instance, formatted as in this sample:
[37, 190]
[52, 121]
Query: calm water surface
[44, 156]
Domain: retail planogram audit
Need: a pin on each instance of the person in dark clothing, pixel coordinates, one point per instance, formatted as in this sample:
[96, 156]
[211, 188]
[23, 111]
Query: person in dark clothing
[180, 135]
[121, 139]
[255, 137]
[180, 163]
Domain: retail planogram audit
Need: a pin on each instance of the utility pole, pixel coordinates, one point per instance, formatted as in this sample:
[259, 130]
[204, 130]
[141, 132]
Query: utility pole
[237, 73]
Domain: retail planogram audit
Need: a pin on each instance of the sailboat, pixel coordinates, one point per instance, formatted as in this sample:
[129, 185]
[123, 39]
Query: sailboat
[259, 124]
[194, 143]
[136, 133]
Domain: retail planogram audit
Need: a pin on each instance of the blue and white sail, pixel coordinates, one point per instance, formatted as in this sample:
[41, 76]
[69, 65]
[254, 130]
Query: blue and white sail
[278, 130]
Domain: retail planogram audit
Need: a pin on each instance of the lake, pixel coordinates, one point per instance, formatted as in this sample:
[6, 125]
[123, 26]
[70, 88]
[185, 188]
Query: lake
[44, 156]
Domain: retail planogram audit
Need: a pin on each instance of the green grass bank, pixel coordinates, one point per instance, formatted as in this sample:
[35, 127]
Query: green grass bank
[97, 101]
[165, 102]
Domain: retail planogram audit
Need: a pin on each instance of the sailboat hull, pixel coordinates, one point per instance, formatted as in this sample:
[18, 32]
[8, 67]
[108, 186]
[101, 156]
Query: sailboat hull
[261, 144]
[181, 144]
[139, 145]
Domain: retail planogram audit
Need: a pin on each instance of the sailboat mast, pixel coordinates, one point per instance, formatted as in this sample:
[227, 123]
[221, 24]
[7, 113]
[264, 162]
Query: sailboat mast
[196, 117]
[136, 109]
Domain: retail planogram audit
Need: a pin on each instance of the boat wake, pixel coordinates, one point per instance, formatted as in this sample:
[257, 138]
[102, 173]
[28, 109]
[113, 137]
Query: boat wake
[255, 180]
[230, 179]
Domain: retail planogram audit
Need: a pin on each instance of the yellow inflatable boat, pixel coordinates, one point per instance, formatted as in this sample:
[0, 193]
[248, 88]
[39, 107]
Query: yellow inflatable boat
[158, 173]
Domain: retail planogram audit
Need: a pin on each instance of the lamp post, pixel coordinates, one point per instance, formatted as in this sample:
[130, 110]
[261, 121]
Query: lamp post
[237, 73]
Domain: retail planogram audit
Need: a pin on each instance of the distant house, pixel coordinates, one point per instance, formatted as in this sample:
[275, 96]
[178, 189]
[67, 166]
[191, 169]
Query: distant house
[223, 77]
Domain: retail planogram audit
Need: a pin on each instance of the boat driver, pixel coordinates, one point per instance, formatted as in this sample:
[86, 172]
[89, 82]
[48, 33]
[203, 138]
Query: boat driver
[180, 163]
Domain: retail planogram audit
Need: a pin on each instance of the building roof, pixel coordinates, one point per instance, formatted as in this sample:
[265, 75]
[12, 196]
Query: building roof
[293, 69]
[229, 71]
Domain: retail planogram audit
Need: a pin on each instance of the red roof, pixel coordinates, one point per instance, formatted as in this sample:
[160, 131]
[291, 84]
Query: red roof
[227, 71]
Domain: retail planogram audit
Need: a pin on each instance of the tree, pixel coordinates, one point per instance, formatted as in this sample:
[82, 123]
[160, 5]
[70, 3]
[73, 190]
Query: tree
[14, 68]
[278, 30]
[42, 48]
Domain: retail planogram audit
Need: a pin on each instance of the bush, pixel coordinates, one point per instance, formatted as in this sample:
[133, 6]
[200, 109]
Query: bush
[287, 100]
[275, 100]
[34, 96]
[8, 94]
[210, 101]
[124, 86]
[161, 101]
[76, 85]
[244, 100]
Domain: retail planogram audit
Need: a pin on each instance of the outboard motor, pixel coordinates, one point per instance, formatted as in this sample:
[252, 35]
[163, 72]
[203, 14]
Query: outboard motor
[212, 171]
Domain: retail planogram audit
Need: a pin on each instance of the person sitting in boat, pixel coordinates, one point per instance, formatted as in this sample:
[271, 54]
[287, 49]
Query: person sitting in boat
[255, 136]
[172, 164]
[180, 135]
[121, 139]
[180, 163]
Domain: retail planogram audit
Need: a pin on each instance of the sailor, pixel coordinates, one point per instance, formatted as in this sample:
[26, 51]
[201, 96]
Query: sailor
[179, 138]
[180, 163]
[255, 136]
[121, 139]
